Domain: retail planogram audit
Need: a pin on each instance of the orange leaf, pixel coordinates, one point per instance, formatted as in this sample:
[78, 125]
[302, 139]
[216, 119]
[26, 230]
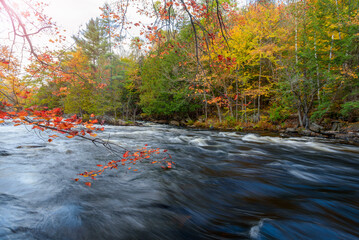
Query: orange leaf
[76, 179]
[50, 140]
[69, 136]
[4, 61]
[92, 115]
[88, 184]
[99, 165]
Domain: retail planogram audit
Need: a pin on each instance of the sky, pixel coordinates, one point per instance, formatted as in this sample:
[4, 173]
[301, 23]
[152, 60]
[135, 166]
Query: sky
[69, 15]
[72, 14]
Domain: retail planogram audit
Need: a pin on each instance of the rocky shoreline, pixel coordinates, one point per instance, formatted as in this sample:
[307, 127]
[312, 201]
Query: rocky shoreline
[351, 137]
[348, 134]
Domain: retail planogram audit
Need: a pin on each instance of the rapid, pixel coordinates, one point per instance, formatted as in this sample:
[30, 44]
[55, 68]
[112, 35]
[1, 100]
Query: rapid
[225, 185]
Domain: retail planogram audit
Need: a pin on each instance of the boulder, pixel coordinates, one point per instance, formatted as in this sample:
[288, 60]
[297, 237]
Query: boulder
[353, 127]
[336, 125]
[175, 123]
[121, 122]
[108, 120]
[306, 132]
[315, 127]
[31, 146]
[161, 121]
[4, 153]
[291, 130]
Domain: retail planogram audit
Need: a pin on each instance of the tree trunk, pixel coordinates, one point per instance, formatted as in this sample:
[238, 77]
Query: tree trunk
[316, 59]
[300, 118]
[236, 99]
[219, 113]
[259, 89]
[245, 108]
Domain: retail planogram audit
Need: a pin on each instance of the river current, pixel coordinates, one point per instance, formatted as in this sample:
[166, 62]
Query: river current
[224, 185]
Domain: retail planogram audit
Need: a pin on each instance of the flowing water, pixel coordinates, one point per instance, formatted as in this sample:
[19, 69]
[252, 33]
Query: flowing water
[225, 185]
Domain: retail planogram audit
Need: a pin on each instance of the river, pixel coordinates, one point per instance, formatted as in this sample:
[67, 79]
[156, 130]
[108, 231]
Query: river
[224, 185]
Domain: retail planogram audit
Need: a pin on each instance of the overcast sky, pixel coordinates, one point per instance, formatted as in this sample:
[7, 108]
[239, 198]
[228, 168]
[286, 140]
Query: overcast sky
[72, 14]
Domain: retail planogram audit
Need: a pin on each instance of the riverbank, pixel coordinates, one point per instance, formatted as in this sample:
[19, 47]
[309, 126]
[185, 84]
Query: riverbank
[345, 132]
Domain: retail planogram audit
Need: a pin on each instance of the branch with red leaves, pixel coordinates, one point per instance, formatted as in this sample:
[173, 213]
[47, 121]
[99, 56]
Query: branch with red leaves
[42, 119]
[140, 155]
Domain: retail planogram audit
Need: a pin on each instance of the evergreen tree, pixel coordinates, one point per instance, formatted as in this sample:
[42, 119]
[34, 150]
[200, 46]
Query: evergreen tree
[93, 41]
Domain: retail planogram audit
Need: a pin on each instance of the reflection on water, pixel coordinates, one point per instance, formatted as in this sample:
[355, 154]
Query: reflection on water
[224, 186]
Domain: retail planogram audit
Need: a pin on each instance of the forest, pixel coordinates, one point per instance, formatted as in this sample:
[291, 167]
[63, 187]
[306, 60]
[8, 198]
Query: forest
[180, 119]
[203, 63]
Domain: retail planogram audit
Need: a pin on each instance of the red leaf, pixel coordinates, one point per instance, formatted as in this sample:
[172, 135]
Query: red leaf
[4, 61]
[126, 154]
[88, 184]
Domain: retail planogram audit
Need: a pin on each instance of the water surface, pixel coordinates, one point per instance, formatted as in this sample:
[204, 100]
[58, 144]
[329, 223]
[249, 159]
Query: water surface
[225, 186]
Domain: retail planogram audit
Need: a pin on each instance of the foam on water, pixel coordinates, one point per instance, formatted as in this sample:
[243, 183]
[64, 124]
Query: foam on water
[304, 175]
[199, 142]
[297, 143]
[255, 230]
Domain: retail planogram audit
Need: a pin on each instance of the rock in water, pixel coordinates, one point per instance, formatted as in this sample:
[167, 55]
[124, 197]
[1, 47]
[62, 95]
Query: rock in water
[4, 153]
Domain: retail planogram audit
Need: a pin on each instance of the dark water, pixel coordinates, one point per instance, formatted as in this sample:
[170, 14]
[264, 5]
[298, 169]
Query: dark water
[224, 186]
